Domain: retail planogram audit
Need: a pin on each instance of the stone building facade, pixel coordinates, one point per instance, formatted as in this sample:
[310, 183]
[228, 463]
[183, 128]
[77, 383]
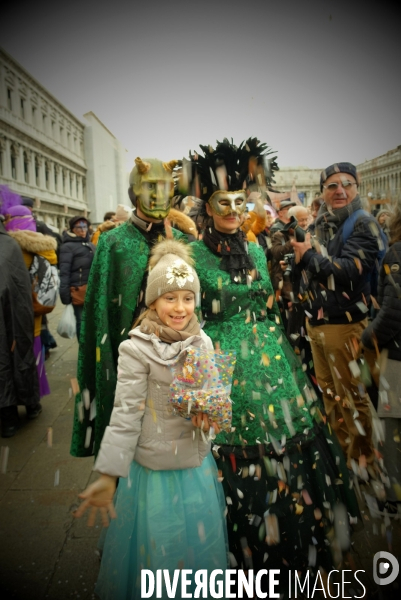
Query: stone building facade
[41, 147]
[380, 177]
[305, 180]
[66, 166]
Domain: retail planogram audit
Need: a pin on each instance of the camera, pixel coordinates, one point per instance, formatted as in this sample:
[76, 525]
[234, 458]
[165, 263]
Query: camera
[293, 229]
[289, 261]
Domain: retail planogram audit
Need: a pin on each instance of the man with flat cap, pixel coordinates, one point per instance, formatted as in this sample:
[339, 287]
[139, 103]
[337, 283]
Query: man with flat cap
[283, 217]
[336, 286]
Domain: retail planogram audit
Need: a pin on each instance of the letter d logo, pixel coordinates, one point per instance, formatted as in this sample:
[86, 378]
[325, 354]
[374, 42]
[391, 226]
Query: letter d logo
[384, 568]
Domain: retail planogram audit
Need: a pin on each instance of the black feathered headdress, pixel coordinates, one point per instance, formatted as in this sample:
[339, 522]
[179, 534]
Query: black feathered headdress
[228, 167]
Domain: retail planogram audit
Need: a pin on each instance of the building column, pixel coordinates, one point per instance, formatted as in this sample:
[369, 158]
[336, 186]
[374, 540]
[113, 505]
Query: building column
[80, 195]
[73, 184]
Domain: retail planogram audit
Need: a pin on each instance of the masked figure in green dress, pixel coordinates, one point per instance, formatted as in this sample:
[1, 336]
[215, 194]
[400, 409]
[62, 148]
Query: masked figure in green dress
[284, 475]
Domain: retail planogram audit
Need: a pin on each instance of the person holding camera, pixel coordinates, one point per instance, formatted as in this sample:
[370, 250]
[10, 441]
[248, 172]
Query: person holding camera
[335, 283]
[282, 256]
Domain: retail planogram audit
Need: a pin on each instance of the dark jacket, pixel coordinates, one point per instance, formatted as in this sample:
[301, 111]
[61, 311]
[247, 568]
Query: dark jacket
[386, 327]
[76, 256]
[278, 225]
[18, 374]
[281, 245]
[336, 287]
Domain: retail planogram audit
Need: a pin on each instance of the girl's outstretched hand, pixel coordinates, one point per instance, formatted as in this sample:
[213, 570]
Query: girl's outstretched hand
[98, 496]
[201, 420]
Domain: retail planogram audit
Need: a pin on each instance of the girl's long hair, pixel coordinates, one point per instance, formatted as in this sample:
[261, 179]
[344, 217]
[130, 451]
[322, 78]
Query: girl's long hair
[139, 319]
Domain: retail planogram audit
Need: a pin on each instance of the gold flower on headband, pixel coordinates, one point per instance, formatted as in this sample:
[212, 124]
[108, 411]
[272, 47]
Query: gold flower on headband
[179, 272]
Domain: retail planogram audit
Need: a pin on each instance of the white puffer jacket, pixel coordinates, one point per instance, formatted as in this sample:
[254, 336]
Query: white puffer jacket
[142, 426]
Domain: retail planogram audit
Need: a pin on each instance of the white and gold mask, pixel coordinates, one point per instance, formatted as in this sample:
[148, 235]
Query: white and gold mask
[225, 203]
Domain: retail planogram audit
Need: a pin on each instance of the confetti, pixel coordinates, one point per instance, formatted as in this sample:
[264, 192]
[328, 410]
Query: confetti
[104, 338]
[49, 437]
[88, 436]
[74, 386]
[57, 478]
[4, 452]
[86, 398]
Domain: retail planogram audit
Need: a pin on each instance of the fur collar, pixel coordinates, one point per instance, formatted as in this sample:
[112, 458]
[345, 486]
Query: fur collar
[32, 241]
[181, 221]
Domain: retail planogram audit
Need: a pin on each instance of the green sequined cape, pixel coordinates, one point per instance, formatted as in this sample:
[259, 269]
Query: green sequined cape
[112, 295]
[270, 392]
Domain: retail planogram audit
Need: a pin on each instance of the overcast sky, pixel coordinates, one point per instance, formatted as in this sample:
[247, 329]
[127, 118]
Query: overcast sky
[318, 81]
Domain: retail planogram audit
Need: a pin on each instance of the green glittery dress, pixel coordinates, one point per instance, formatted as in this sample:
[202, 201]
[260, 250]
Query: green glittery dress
[115, 289]
[284, 472]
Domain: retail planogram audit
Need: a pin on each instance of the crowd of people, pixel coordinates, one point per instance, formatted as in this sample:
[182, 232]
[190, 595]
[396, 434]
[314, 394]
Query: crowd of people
[308, 302]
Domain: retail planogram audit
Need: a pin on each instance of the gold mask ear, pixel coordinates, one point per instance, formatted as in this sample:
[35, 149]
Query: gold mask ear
[170, 165]
[143, 167]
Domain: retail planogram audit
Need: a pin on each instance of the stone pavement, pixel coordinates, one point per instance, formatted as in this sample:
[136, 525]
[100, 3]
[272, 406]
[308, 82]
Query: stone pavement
[47, 554]
[44, 551]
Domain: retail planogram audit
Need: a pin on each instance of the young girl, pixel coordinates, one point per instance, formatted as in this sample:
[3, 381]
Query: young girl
[169, 507]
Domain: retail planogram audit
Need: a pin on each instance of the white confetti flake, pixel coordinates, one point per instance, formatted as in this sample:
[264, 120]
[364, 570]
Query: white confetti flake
[49, 437]
[88, 437]
[57, 478]
[201, 532]
[86, 398]
[104, 338]
[92, 413]
[80, 409]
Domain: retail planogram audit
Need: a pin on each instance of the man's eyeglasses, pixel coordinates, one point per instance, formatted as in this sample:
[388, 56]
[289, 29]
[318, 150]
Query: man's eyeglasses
[81, 227]
[334, 185]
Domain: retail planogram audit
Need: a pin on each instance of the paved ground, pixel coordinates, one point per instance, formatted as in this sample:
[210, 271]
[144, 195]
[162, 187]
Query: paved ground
[44, 552]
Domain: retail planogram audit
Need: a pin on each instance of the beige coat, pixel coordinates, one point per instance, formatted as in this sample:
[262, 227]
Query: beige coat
[142, 426]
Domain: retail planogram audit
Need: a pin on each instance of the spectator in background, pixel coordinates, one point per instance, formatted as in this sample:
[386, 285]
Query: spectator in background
[18, 375]
[46, 337]
[39, 252]
[283, 217]
[314, 207]
[108, 223]
[382, 217]
[76, 258]
[385, 332]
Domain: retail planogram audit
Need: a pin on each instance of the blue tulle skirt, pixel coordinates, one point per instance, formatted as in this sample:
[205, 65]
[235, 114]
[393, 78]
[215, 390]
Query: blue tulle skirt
[165, 520]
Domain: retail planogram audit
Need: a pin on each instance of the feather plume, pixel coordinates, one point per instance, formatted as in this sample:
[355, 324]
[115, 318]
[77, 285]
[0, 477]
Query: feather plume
[175, 247]
[8, 198]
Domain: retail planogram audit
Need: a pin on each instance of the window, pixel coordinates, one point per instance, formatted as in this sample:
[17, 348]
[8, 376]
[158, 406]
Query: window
[44, 121]
[37, 171]
[61, 135]
[23, 108]
[53, 128]
[68, 140]
[9, 99]
[26, 168]
[47, 173]
[13, 167]
[75, 144]
[33, 115]
[55, 177]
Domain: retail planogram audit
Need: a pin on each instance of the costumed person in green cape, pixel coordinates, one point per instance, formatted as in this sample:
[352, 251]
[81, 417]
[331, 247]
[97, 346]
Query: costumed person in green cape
[115, 297]
[284, 475]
